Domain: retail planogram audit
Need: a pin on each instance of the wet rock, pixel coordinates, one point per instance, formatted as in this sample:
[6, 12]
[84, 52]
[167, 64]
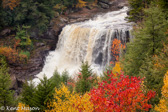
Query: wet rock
[56, 14]
[104, 5]
[26, 71]
[5, 32]
[40, 44]
[14, 84]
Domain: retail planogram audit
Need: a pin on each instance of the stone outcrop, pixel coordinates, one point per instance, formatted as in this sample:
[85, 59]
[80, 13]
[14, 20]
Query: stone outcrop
[22, 72]
[106, 4]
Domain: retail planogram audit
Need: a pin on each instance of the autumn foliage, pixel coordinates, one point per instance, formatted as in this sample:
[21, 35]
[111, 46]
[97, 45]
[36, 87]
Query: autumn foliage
[116, 47]
[65, 101]
[12, 55]
[163, 104]
[10, 3]
[117, 68]
[80, 4]
[22, 108]
[120, 94]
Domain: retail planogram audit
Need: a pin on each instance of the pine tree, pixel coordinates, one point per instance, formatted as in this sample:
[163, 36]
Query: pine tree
[136, 12]
[86, 79]
[6, 16]
[28, 94]
[10, 3]
[44, 93]
[154, 69]
[65, 77]
[6, 95]
[36, 14]
[1, 21]
[147, 40]
[164, 4]
[153, 78]
[58, 78]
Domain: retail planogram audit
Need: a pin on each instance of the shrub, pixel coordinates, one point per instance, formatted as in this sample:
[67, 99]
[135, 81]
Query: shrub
[65, 101]
[121, 93]
[12, 55]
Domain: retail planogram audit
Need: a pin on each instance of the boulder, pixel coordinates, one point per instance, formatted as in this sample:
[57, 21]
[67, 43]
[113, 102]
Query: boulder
[104, 5]
[5, 32]
[14, 84]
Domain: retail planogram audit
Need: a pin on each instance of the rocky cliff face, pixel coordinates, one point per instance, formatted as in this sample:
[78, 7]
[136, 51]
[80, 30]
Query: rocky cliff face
[22, 72]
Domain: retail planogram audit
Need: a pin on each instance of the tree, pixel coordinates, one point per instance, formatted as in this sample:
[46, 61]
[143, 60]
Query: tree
[136, 12]
[120, 94]
[163, 4]
[6, 16]
[147, 40]
[28, 94]
[81, 4]
[86, 79]
[154, 69]
[58, 78]
[22, 108]
[6, 95]
[117, 68]
[10, 3]
[40, 95]
[12, 55]
[44, 92]
[116, 48]
[36, 14]
[22, 35]
[163, 104]
[65, 101]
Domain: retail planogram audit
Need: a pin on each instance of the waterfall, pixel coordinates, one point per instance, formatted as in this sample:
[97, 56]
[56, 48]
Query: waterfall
[87, 41]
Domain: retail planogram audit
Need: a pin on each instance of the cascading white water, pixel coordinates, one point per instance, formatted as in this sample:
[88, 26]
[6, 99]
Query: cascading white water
[87, 41]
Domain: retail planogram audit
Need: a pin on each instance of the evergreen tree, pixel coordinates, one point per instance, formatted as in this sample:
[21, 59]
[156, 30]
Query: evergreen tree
[136, 12]
[6, 16]
[40, 95]
[139, 59]
[57, 78]
[147, 40]
[6, 95]
[86, 79]
[44, 93]
[153, 78]
[36, 14]
[1, 24]
[163, 104]
[164, 4]
[69, 3]
[154, 69]
[28, 94]
[65, 77]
